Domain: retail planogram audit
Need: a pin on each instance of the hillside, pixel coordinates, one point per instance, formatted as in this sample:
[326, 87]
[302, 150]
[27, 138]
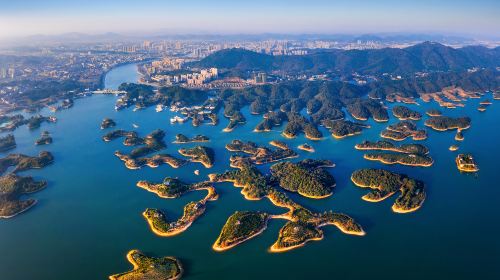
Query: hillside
[426, 56]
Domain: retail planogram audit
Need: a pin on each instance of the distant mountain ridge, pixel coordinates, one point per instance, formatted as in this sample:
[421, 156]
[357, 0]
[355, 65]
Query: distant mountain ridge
[427, 56]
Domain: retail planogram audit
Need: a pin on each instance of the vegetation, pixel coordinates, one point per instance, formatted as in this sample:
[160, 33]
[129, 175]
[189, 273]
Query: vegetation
[159, 225]
[402, 130]
[363, 109]
[405, 113]
[240, 227]
[131, 137]
[259, 155]
[201, 154]
[107, 123]
[307, 177]
[434, 113]
[343, 128]
[384, 183]
[404, 159]
[181, 138]
[23, 162]
[173, 188]
[294, 234]
[466, 163]
[388, 146]
[443, 123]
[145, 268]
[7, 142]
[12, 188]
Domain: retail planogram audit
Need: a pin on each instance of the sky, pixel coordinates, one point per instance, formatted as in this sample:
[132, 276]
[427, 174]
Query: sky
[479, 18]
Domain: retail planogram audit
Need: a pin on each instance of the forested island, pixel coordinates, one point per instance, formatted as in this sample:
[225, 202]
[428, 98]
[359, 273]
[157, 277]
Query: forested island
[308, 177]
[405, 113]
[389, 146]
[466, 163]
[443, 123]
[145, 268]
[107, 123]
[201, 154]
[434, 113]
[306, 147]
[404, 159]
[259, 155]
[256, 186]
[402, 130]
[22, 162]
[174, 188]
[181, 139]
[44, 139]
[12, 188]
[343, 128]
[7, 143]
[384, 184]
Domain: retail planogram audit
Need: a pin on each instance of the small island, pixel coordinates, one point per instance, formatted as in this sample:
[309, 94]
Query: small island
[342, 128]
[405, 113]
[403, 159]
[306, 147]
[442, 123]
[279, 144]
[44, 139]
[260, 155]
[453, 148]
[107, 123]
[12, 188]
[388, 146]
[240, 227]
[460, 135]
[402, 130]
[384, 184]
[201, 154]
[146, 268]
[131, 137]
[181, 139]
[7, 143]
[466, 163]
[22, 162]
[308, 177]
[434, 113]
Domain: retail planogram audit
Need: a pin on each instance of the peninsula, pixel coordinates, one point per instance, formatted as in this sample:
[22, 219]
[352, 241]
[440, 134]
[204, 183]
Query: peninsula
[145, 268]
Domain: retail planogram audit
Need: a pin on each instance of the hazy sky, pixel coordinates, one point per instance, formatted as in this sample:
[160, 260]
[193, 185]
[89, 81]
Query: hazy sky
[26, 17]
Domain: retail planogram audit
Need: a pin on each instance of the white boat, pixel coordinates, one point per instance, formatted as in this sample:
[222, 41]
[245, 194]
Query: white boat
[197, 172]
[159, 108]
[134, 125]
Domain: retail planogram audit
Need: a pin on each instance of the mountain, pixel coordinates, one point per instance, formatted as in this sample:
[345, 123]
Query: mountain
[427, 56]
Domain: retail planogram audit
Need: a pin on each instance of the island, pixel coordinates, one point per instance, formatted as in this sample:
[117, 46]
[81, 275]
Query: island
[460, 135]
[306, 147]
[453, 148]
[405, 113]
[362, 109]
[234, 120]
[36, 121]
[344, 128]
[153, 161]
[384, 184]
[434, 113]
[22, 162]
[107, 123]
[402, 130]
[7, 143]
[256, 186]
[131, 137]
[181, 139]
[307, 178]
[403, 159]
[260, 155]
[12, 188]
[240, 227]
[443, 123]
[174, 188]
[44, 139]
[145, 268]
[201, 154]
[279, 144]
[298, 123]
[466, 163]
[389, 146]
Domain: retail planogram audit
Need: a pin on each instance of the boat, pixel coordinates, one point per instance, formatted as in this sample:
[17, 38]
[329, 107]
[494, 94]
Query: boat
[134, 125]
[159, 108]
[197, 172]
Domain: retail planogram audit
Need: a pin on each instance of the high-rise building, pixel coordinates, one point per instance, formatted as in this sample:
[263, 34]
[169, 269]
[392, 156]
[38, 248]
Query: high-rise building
[3, 73]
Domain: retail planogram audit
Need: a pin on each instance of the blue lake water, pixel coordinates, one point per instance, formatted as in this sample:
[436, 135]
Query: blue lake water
[89, 216]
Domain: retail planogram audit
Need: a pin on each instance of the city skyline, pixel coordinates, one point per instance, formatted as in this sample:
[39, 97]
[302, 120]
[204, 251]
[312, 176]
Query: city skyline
[29, 17]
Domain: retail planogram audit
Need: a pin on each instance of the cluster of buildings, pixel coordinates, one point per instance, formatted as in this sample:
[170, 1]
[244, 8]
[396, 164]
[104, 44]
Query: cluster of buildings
[194, 79]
